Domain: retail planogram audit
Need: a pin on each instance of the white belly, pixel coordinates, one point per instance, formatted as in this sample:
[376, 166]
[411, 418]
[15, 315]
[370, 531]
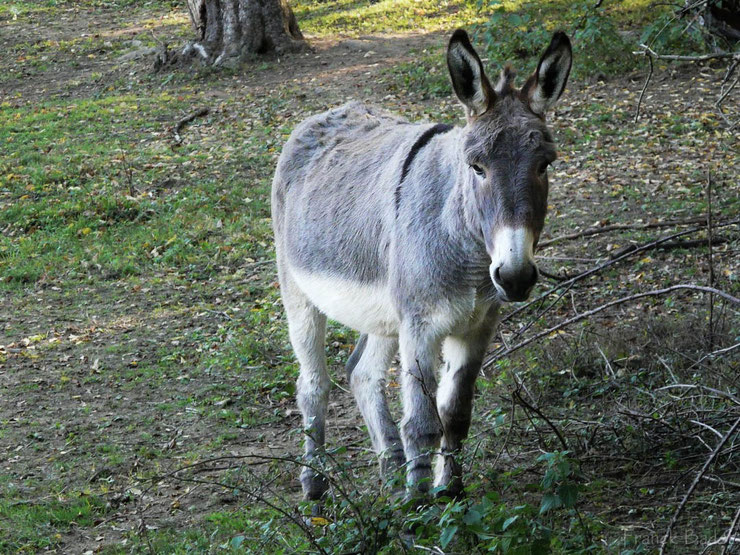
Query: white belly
[365, 308]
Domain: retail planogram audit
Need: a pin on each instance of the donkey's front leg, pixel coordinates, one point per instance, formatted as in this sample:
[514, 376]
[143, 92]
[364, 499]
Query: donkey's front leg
[420, 427]
[463, 356]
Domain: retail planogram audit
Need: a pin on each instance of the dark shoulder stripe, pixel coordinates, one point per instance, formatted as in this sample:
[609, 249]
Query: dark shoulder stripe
[420, 143]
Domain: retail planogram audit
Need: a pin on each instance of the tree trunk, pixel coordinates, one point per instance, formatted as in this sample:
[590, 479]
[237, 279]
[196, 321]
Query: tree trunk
[230, 29]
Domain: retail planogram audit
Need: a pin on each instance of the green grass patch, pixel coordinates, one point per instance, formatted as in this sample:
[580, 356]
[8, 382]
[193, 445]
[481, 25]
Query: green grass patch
[357, 17]
[27, 526]
[82, 201]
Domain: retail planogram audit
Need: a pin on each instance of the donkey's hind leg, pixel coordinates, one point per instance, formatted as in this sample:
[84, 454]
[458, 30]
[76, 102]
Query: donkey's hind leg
[366, 373]
[307, 327]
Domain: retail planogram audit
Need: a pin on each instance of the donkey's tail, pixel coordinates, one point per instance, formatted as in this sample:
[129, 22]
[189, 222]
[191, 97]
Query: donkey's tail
[356, 355]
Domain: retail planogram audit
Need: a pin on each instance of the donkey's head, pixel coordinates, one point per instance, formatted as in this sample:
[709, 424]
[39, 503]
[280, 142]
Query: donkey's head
[507, 148]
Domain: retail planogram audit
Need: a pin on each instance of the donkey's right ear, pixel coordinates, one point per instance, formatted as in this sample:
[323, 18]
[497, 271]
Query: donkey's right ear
[468, 79]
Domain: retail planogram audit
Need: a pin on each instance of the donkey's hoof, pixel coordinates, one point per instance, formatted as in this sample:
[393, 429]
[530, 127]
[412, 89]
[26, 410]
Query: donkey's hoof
[314, 485]
[454, 490]
[415, 499]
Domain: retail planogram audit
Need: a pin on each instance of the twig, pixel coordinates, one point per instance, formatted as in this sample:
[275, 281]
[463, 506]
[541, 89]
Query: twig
[608, 263]
[706, 427]
[710, 335]
[728, 91]
[539, 413]
[608, 366]
[724, 483]
[644, 88]
[650, 53]
[552, 276]
[615, 227]
[689, 244]
[200, 112]
[697, 479]
[436, 550]
[719, 352]
[668, 245]
[717, 392]
[730, 531]
[493, 358]
[262, 499]
[508, 433]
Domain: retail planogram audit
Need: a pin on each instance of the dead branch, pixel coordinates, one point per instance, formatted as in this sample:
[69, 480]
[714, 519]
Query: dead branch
[619, 227]
[651, 55]
[717, 392]
[199, 113]
[550, 275]
[670, 245]
[697, 479]
[584, 315]
[644, 88]
[710, 329]
[730, 531]
[596, 269]
[719, 352]
[519, 399]
[727, 91]
[645, 50]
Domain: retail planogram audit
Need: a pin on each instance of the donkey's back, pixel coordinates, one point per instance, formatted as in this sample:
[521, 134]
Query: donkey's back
[330, 169]
[335, 210]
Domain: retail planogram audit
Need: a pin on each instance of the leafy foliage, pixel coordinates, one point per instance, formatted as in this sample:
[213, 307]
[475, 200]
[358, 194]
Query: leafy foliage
[598, 45]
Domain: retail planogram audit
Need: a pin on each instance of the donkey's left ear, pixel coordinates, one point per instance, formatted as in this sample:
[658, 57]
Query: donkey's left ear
[468, 78]
[546, 84]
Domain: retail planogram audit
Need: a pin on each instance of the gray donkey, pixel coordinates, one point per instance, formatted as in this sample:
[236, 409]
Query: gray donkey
[413, 234]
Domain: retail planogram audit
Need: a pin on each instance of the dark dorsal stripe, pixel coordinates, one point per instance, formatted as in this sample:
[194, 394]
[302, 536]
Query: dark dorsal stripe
[420, 143]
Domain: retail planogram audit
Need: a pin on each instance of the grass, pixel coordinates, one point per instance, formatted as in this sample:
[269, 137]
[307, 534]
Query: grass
[32, 527]
[81, 201]
[358, 17]
[141, 309]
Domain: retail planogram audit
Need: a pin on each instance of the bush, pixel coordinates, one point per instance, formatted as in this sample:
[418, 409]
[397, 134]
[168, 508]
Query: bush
[599, 47]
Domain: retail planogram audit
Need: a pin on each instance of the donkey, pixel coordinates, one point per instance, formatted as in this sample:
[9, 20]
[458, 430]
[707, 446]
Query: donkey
[413, 234]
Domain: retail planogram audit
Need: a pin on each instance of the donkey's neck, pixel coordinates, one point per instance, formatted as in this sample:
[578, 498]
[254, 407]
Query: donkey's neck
[458, 216]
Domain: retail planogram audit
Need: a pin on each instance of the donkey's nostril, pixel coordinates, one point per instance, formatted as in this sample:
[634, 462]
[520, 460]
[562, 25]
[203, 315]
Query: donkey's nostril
[516, 283]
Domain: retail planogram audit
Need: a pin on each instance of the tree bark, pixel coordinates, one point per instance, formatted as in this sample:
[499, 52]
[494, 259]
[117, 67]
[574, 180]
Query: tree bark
[231, 29]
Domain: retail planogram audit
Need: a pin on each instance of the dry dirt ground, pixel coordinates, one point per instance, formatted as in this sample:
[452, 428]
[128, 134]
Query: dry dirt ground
[82, 411]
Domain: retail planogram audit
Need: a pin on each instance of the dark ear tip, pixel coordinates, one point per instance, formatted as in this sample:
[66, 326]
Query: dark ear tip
[559, 39]
[460, 35]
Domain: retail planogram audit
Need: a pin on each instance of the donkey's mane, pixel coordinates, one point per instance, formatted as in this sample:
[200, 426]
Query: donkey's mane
[505, 85]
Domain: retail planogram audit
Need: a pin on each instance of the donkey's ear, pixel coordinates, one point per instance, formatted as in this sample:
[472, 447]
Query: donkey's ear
[468, 79]
[546, 84]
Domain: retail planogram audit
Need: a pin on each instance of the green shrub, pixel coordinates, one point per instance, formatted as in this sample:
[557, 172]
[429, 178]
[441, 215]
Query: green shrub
[523, 34]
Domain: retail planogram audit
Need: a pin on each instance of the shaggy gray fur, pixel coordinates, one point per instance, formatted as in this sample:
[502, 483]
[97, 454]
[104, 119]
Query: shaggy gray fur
[413, 259]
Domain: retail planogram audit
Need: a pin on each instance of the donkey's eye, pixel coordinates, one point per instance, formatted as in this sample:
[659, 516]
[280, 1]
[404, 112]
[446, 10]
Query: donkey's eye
[478, 170]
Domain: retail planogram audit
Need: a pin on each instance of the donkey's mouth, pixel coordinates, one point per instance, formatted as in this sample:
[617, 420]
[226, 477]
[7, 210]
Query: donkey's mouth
[514, 298]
